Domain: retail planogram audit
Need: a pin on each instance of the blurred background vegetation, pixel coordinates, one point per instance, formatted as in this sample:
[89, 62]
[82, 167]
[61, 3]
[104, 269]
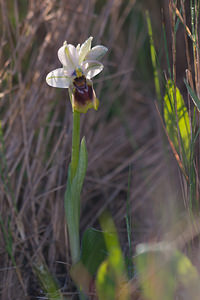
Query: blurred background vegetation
[131, 169]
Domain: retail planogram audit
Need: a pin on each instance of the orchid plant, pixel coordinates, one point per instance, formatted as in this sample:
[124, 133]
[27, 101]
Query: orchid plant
[79, 65]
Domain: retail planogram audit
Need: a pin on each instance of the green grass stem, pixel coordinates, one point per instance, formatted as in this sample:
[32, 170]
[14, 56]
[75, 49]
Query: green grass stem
[153, 57]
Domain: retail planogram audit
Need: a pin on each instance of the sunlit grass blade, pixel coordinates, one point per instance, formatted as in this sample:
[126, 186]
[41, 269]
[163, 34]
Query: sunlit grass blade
[153, 57]
[111, 279]
[177, 123]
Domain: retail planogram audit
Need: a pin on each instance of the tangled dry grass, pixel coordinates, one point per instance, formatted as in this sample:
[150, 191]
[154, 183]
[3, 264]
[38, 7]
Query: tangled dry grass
[36, 136]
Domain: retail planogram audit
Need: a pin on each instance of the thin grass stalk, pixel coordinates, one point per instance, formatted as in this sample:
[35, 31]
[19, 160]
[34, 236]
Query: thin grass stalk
[129, 226]
[172, 5]
[190, 81]
[153, 58]
[197, 48]
[184, 24]
[194, 44]
[187, 47]
[194, 25]
[197, 89]
[166, 52]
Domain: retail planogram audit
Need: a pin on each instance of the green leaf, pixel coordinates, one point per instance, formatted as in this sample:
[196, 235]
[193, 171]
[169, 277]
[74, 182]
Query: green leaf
[162, 269]
[112, 244]
[72, 200]
[111, 281]
[177, 123]
[93, 250]
[105, 282]
[93, 253]
[193, 95]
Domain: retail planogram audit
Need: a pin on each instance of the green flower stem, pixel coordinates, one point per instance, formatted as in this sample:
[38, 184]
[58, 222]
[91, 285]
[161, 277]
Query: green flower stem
[73, 223]
[75, 143]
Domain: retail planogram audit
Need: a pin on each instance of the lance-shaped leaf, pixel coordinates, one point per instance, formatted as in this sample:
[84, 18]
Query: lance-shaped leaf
[177, 122]
[72, 200]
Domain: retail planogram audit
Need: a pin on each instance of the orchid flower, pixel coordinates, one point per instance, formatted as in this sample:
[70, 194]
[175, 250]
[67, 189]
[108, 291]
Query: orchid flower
[80, 64]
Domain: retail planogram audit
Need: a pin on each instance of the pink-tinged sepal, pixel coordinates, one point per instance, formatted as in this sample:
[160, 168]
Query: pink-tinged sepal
[83, 95]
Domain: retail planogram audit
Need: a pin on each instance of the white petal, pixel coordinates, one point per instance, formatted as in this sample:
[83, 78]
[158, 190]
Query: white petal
[58, 78]
[78, 47]
[85, 48]
[73, 55]
[62, 56]
[68, 56]
[92, 68]
[96, 53]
